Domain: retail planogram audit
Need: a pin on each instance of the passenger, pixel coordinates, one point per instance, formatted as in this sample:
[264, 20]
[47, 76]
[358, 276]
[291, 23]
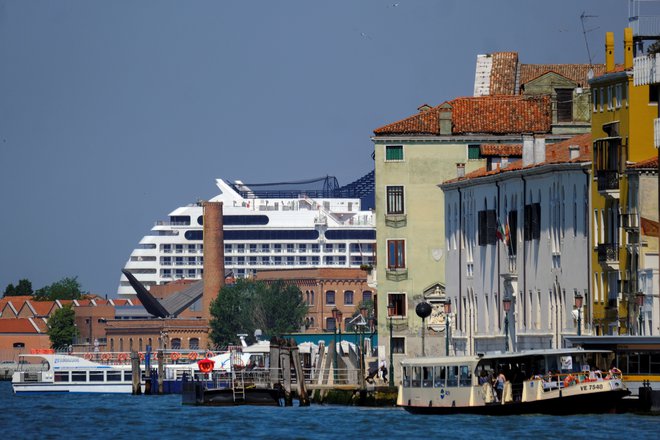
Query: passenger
[483, 377]
[383, 370]
[499, 385]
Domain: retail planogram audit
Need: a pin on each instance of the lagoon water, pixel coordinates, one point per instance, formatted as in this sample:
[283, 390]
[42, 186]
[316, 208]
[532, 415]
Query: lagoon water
[96, 416]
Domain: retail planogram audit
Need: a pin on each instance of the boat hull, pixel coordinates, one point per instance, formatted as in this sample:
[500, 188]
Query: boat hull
[50, 387]
[195, 393]
[603, 402]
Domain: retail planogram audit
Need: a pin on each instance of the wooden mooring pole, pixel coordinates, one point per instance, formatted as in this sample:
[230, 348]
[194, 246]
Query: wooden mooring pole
[135, 369]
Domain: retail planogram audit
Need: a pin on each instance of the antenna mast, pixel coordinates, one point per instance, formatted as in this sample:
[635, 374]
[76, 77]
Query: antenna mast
[583, 18]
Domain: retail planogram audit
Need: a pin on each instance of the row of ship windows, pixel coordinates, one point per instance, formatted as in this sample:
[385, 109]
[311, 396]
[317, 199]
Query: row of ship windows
[292, 234]
[277, 247]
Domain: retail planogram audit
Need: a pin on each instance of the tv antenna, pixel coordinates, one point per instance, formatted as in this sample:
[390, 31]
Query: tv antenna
[584, 17]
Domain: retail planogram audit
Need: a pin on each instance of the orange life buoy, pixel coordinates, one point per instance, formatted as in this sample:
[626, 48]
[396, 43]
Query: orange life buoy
[154, 356]
[192, 355]
[105, 356]
[568, 380]
[141, 356]
[175, 356]
[88, 356]
[121, 357]
[209, 354]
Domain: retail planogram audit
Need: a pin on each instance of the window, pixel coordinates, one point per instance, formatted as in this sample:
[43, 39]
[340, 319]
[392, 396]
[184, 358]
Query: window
[330, 324]
[113, 376]
[393, 152]
[487, 227]
[348, 297]
[474, 152]
[564, 105]
[394, 199]
[511, 231]
[398, 345]
[439, 376]
[396, 254]
[194, 344]
[532, 222]
[594, 99]
[399, 302]
[61, 376]
[96, 376]
[367, 295]
[330, 297]
[310, 297]
[78, 376]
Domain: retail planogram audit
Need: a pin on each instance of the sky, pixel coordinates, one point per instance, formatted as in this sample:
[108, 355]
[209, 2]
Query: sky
[113, 113]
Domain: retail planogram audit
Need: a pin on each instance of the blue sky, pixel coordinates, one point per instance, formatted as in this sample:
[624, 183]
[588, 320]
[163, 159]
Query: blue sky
[113, 113]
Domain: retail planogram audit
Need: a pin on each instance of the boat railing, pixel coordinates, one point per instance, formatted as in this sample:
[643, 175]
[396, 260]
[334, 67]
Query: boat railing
[565, 380]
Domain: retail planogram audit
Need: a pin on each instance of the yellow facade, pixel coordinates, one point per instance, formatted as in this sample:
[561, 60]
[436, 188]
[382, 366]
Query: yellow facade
[622, 131]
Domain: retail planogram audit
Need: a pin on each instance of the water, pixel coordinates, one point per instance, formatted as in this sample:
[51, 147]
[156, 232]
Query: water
[97, 416]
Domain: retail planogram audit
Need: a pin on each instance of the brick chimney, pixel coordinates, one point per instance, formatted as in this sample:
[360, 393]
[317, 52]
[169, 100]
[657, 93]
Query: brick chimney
[214, 254]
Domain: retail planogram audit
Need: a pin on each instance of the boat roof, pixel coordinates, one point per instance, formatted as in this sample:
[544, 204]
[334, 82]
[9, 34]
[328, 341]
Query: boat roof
[453, 360]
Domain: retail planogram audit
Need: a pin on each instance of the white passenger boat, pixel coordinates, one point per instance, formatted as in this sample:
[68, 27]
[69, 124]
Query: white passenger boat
[63, 373]
[538, 381]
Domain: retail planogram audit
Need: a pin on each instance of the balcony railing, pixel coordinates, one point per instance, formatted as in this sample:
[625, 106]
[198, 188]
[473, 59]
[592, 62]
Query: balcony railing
[608, 253]
[645, 25]
[646, 70]
[608, 180]
[629, 221]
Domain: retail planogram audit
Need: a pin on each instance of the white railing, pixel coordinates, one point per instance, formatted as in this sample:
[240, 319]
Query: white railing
[645, 25]
[646, 70]
[656, 132]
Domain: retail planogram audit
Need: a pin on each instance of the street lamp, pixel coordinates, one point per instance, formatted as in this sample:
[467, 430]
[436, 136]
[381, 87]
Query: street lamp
[578, 306]
[447, 307]
[507, 306]
[390, 313]
[336, 315]
[640, 303]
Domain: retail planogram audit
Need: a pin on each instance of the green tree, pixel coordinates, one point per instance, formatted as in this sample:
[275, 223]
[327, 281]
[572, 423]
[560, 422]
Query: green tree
[10, 290]
[247, 305]
[66, 288]
[24, 287]
[61, 328]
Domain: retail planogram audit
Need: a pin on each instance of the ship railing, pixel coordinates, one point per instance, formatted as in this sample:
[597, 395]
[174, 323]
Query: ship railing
[564, 380]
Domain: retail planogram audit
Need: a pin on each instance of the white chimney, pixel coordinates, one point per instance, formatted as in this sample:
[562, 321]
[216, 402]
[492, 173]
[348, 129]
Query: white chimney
[574, 151]
[460, 170]
[528, 150]
[539, 150]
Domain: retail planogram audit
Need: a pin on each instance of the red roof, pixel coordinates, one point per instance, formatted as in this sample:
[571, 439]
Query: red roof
[501, 150]
[18, 325]
[577, 73]
[42, 308]
[503, 73]
[482, 114]
[645, 164]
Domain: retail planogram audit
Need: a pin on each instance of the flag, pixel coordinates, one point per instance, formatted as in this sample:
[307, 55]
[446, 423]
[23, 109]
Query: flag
[507, 232]
[499, 232]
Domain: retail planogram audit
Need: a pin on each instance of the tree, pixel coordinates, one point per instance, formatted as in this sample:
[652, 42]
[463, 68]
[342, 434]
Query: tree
[24, 288]
[248, 305]
[61, 328]
[66, 288]
[10, 290]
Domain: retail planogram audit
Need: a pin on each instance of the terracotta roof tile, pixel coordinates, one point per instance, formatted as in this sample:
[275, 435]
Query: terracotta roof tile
[645, 164]
[501, 150]
[120, 302]
[18, 325]
[554, 153]
[42, 324]
[503, 73]
[578, 73]
[42, 308]
[481, 114]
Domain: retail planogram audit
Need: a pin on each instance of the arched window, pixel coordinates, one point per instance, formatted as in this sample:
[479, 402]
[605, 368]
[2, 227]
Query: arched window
[176, 343]
[348, 297]
[130, 344]
[194, 343]
[121, 344]
[140, 348]
[330, 324]
[330, 298]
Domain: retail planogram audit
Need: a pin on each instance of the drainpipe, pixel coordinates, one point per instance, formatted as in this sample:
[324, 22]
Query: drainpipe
[499, 271]
[524, 249]
[587, 176]
[459, 307]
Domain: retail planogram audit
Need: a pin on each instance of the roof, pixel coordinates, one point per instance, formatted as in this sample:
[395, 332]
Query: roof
[651, 163]
[503, 73]
[554, 154]
[481, 114]
[18, 325]
[501, 150]
[578, 73]
[41, 308]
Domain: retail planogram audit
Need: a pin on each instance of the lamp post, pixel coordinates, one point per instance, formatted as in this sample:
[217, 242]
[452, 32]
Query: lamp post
[507, 306]
[640, 303]
[578, 306]
[447, 307]
[390, 314]
[423, 310]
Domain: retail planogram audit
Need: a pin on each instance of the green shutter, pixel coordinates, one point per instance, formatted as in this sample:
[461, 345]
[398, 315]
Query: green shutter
[394, 152]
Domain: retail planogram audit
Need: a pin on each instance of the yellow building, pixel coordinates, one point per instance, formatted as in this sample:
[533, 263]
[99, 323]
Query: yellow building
[622, 132]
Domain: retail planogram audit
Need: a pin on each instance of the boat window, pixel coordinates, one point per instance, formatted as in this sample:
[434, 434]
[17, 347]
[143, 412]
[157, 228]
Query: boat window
[79, 376]
[113, 376]
[61, 376]
[466, 376]
[452, 376]
[439, 376]
[417, 377]
[427, 377]
[406, 376]
[128, 376]
[96, 376]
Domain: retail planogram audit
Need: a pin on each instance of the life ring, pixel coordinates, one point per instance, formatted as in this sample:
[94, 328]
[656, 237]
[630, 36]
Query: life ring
[568, 380]
[105, 356]
[154, 355]
[88, 356]
[141, 356]
[205, 365]
[192, 355]
[175, 356]
[121, 357]
[209, 354]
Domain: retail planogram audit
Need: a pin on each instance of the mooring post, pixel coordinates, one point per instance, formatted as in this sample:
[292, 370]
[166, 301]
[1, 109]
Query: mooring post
[285, 359]
[274, 362]
[135, 371]
[300, 374]
[161, 370]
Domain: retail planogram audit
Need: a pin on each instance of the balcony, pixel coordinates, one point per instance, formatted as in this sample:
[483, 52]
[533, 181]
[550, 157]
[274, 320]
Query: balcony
[396, 220]
[608, 254]
[646, 70]
[629, 221]
[608, 182]
[396, 274]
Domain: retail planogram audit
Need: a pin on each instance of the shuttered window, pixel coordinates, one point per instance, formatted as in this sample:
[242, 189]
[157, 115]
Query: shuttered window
[395, 199]
[394, 152]
[564, 105]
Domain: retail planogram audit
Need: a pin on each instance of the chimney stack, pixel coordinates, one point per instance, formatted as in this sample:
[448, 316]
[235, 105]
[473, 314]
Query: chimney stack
[539, 150]
[214, 254]
[528, 150]
[609, 52]
[628, 48]
[460, 170]
[574, 151]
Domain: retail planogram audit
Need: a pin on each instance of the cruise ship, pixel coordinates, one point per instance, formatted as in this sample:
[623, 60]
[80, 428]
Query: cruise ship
[286, 225]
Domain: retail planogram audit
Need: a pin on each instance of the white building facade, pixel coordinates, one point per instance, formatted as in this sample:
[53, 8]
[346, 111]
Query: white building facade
[519, 237]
